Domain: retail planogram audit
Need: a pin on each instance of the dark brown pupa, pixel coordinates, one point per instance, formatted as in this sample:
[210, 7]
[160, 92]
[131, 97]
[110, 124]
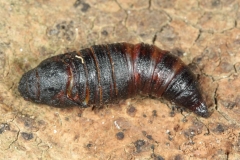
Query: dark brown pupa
[105, 74]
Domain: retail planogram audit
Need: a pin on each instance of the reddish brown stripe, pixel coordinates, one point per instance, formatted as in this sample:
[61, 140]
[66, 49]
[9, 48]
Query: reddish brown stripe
[69, 81]
[156, 80]
[87, 97]
[98, 93]
[113, 89]
[128, 50]
[135, 55]
[156, 57]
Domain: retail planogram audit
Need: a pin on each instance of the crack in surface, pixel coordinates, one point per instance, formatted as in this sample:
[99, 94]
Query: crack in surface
[149, 4]
[18, 133]
[154, 38]
[215, 98]
[126, 12]
[235, 68]
[197, 38]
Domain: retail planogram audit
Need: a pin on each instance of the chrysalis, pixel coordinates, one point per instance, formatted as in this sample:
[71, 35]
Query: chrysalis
[105, 74]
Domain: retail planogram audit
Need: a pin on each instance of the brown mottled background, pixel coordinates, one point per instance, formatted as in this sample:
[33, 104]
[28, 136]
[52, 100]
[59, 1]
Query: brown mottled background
[204, 33]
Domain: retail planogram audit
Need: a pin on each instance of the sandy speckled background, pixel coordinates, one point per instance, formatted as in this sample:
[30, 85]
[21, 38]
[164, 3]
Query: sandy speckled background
[204, 33]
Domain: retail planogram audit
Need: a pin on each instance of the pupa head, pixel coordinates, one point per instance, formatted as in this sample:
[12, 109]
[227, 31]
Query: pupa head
[47, 83]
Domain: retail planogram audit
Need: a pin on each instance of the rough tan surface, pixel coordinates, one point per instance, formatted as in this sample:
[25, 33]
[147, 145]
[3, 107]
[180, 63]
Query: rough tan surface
[203, 33]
